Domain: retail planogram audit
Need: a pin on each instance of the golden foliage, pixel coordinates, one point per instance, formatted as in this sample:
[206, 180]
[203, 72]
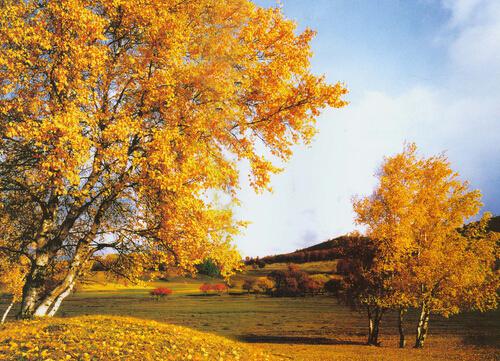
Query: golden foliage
[414, 217]
[120, 120]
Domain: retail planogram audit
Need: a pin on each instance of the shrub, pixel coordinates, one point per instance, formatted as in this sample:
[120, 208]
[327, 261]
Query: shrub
[264, 285]
[205, 288]
[161, 292]
[219, 288]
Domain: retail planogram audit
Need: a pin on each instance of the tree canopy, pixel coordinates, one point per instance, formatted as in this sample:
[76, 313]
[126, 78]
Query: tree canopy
[120, 119]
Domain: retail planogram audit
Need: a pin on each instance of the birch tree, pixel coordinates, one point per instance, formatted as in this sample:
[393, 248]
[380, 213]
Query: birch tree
[415, 217]
[119, 121]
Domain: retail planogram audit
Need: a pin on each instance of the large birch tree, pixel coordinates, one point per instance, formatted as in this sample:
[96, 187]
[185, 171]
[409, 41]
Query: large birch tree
[119, 119]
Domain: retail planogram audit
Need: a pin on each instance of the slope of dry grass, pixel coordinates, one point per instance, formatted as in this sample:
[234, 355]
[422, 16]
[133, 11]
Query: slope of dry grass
[116, 338]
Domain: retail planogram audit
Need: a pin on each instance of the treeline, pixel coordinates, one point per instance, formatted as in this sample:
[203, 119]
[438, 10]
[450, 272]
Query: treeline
[291, 282]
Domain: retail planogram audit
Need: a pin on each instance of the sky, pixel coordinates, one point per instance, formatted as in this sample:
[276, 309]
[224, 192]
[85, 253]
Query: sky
[424, 71]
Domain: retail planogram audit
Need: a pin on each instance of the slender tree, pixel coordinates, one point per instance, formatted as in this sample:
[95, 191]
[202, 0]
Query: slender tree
[363, 287]
[119, 121]
[414, 216]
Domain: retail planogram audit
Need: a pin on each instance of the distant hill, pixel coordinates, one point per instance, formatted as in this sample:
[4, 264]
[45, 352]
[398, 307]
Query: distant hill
[324, 251]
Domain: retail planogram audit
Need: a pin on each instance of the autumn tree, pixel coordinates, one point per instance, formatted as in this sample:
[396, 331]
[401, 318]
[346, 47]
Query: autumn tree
[363, 287]
[414, 218]
[119, 121]
[249, 284]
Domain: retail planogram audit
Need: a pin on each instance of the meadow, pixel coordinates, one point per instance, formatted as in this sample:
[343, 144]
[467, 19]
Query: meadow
[304, 328]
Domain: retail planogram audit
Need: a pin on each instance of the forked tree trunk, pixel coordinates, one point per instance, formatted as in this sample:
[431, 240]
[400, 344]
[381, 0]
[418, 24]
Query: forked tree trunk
[35, 306]
[374, 318]
[33, 286]
[402, 341]
[7, 311]
[422, 327]
[59, 299]
[51, 303]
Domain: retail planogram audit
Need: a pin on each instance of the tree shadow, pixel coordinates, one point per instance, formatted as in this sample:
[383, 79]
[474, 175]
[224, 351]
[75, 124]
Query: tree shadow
[252, 338]
[482, 340]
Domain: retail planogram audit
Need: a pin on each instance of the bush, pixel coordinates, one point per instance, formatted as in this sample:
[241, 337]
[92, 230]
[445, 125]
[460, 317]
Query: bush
[264, 285]
[161, 292]
[205, 288]
[219, 288]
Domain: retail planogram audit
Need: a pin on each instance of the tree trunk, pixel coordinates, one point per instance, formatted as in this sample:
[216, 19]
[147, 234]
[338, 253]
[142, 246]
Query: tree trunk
[374, 317]
[35, 306]
[33, 286]
[423, 324]
[370, 326]
[59, 299]
[7, 311]
[402, 341]
[51, 303]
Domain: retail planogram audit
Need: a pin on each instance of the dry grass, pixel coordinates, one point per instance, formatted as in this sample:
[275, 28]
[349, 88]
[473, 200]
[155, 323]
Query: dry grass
[292, 328]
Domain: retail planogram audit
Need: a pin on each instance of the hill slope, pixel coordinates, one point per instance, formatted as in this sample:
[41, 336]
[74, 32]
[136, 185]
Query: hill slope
[328, 250]
[115, 338]
[325, 251]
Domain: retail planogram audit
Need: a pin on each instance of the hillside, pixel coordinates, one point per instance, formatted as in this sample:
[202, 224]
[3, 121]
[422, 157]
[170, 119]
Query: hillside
[116, 338]
[326, 251]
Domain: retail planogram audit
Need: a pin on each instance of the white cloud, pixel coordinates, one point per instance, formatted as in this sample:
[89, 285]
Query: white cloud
[460, 115]
[474, 48]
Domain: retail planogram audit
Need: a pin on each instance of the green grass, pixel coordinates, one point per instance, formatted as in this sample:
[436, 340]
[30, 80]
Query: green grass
[310, 328]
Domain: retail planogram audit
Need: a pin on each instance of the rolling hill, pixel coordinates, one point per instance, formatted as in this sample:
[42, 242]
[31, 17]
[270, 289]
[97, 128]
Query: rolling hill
[326, 251]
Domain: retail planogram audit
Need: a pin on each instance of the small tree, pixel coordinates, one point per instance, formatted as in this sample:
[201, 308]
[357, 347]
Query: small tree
[264, 285]
[248, 285]
[208, 268]
[291, 282]
[333, 287]
[363, 287]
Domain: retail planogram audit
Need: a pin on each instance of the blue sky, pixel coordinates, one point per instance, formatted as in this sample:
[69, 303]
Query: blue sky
[425, 70]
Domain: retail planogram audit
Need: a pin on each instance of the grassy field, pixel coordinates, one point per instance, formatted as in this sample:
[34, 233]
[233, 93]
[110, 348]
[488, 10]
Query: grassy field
[311, 328]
